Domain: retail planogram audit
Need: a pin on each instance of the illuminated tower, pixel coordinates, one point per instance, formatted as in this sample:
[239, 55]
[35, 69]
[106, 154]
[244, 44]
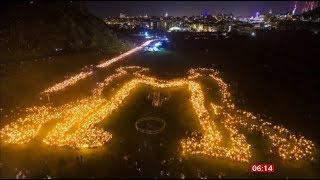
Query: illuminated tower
[295, 7]
[166, 14]
[204, 14]
[257, 15]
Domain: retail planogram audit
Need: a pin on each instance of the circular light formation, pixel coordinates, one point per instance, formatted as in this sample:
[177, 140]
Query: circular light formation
[150, 125]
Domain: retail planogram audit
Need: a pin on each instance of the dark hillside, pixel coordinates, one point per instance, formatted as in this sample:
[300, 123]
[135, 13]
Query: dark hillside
[29, 30]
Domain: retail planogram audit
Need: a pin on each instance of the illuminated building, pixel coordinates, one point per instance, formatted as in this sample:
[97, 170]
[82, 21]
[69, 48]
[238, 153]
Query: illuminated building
[122, 15]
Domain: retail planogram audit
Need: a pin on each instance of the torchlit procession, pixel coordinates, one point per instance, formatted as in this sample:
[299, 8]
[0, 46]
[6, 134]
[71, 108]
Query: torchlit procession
[77, 130]
[82, 75]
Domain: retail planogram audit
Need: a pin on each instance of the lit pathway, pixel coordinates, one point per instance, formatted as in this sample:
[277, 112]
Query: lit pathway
[82, 75]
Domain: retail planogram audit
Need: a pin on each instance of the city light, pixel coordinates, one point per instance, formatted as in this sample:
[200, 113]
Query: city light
[174, 29]
[157, 44]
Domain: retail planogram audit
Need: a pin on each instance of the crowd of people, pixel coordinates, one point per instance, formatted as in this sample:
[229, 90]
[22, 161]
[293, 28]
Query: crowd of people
[20, 174]
[172, 166]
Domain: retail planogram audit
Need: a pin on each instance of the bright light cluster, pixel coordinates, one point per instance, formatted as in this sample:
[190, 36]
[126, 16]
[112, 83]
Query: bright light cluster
[74, 79]
[25, 129]
[120, 72]
[210, 142]
[68, 82]
[108, 62]
[75, 115]
[284, 143]
[76, 121]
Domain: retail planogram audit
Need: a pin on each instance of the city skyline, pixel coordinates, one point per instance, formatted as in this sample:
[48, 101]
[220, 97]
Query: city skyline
[189, 8]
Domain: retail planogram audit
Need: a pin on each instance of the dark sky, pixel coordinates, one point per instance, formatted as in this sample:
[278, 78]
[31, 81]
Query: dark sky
[179, 8]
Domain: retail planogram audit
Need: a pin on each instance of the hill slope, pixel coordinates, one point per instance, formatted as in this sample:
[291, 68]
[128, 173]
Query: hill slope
[42, 28]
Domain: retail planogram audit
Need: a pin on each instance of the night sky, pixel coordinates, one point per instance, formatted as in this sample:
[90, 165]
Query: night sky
[188, 8]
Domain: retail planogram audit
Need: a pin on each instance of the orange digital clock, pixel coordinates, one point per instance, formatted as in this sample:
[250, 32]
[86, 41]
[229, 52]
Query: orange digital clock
[263, 168]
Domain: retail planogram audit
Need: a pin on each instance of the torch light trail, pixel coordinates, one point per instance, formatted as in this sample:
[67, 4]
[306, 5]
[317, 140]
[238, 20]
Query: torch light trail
[82, 116]
[82, 75]
[68, 82]
[108, 62]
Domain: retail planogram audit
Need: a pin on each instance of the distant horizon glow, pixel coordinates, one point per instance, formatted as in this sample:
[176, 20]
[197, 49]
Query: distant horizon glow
[190, 8]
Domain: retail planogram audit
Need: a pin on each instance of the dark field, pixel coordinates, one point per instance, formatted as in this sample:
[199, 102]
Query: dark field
[273, 79]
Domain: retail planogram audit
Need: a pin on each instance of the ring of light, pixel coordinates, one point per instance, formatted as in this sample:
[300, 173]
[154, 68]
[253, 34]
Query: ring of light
[148, 131]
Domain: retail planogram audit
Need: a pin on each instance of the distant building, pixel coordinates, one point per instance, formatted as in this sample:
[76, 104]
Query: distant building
[122, 15]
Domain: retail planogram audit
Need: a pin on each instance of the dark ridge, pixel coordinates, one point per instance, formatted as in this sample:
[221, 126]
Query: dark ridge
[31, 29]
